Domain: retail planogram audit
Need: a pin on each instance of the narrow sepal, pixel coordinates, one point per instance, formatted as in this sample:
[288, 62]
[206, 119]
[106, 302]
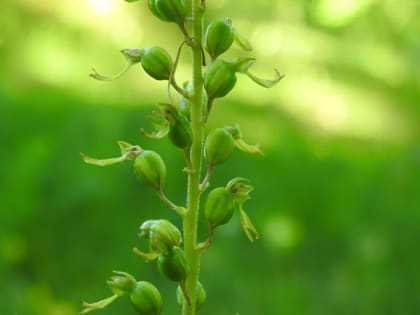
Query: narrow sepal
[249, 229]
[240, 143]
[88, 307]
[97, 76]
[241, 41]
[132, 55]
[146, 256]
[128, 152]
[159, 123]
[265, 82]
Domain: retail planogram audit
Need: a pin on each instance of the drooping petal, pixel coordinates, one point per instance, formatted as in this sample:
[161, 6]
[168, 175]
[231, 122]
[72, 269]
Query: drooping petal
[249, 229]
[265, 82]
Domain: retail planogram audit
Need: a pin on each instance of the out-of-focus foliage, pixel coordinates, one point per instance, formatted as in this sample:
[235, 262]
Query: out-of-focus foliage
[337, 199]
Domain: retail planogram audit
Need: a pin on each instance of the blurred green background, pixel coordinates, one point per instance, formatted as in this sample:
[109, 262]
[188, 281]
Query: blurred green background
[337, 199]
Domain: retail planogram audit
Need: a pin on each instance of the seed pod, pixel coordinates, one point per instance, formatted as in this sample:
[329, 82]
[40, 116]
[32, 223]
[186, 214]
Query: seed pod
[169, 10]
[174, 266]
[201, 296]
[157, 62]
[219, 37]
[164, 236]
[219, 79]
[219, 146]
[219, 207]
[150, 169]
[146, 299]
[180, 133]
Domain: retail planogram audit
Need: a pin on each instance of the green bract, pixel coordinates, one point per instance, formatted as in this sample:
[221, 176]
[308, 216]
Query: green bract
[150, 169]
[173, 266]
[219, 207]
[219, 37]
[157, 63]
[219, 146]
[146, 299]
[169, 10]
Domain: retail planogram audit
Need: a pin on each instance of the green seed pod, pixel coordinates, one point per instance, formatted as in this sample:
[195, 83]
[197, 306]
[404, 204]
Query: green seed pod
[150, 169]
[169, 10]
[219, 79]
[157, 63]
[180, 133]
[174, 266]
[219, 146]
[201, 296]
[146, 299]
[219, 207]
[163, 236]
[219, 37]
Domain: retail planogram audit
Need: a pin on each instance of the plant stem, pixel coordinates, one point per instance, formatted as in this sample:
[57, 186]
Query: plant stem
[193, 192]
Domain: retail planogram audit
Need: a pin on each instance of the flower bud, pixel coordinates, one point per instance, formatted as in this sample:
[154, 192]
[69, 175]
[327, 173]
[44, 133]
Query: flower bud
[146, 299]
[201, 296]
[157, 62]
[240, 189]
[150, 169]
[219, 207]
[174, 266]
[219, 79]
[163, 236]
[145, 228]
[219, 37]
[219, 146]
[121, 284]
[169, 10]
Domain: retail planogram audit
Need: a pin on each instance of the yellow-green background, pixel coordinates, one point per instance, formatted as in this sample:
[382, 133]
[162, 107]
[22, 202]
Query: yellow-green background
[337, 198]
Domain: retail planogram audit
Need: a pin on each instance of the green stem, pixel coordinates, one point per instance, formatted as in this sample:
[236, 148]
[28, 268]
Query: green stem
[193, 197]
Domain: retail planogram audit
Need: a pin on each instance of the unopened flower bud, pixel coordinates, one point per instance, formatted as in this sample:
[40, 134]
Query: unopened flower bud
[150, 169]
[174, 266]
[157, 62]
[219, 37]
[201, 296]
[121, 284]
[219, 207]
[219, 146]
[146, 299]
[169, 10]
[163, 236]
[145, 228]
